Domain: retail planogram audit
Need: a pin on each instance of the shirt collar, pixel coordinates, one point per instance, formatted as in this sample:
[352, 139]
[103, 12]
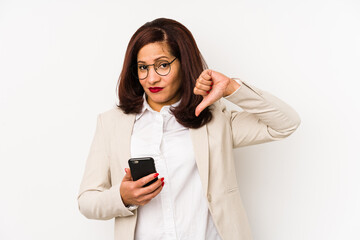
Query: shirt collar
[164, 110]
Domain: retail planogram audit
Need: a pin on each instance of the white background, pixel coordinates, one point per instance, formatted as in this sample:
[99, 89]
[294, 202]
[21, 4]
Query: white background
[59, 64]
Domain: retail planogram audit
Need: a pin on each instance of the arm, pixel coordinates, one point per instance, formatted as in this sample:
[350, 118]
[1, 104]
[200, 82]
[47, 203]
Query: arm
[97, 198]
[265, 117]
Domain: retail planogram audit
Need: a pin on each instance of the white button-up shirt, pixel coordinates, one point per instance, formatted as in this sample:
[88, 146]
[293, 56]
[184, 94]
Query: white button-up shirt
[180, 211]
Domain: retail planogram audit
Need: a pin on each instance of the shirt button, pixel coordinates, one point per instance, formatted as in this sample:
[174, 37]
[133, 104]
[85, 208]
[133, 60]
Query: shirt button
[209, 197]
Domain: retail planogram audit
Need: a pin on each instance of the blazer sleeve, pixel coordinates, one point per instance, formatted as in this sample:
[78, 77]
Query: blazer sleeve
[97, 198]
[265, 117]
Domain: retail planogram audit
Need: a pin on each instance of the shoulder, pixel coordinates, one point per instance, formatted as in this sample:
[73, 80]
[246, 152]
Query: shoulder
[113, 115]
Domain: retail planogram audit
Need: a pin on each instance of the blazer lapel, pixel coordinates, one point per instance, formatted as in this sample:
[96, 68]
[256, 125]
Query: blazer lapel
[124, 126]
[199, 138]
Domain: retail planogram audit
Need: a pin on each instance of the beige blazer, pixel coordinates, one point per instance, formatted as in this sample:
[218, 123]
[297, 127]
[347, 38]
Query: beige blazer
[265, 118]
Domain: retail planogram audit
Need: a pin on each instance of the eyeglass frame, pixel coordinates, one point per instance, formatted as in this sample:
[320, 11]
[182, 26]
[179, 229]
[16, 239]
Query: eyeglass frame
[147, 69]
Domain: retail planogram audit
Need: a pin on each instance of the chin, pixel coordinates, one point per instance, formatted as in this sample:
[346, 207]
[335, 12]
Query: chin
[159, 100]
[155, 97]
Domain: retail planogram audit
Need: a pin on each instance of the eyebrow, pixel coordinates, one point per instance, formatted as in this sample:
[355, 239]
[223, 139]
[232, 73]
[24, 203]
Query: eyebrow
[155, 59]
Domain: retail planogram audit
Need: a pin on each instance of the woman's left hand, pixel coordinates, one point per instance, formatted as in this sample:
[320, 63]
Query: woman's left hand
[212, 86]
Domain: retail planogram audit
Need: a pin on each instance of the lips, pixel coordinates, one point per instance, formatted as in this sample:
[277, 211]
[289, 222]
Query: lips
[155, 89]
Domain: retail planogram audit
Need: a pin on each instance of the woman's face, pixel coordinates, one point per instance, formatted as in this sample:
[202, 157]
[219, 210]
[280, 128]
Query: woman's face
[160, 90]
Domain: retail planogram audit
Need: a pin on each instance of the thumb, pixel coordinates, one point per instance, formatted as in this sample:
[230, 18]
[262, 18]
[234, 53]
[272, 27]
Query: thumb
[202, 105]
[127, 176]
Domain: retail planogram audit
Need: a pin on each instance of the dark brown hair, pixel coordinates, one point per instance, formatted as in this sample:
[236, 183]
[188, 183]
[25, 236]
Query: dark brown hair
[183, 46]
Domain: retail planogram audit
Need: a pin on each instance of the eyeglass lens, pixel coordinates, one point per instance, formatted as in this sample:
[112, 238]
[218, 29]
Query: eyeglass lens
[161, 67]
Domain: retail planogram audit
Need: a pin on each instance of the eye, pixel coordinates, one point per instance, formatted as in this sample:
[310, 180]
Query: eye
[142, 67]
[163, 65]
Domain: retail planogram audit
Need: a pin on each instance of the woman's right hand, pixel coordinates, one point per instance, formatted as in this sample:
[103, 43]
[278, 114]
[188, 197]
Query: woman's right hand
[132, 192]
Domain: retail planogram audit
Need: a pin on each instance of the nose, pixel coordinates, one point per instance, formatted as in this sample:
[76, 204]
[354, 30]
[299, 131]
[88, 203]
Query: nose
[152, 77]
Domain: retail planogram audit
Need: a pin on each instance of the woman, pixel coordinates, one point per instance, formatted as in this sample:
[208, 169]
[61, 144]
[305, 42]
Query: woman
[171, 109]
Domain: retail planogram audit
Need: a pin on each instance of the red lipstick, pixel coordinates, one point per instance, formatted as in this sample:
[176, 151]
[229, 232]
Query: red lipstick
[155, 89]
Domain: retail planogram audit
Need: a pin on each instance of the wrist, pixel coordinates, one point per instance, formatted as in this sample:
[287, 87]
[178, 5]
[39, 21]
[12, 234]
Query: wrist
[130, 207]
[126, 203]
[231, 88]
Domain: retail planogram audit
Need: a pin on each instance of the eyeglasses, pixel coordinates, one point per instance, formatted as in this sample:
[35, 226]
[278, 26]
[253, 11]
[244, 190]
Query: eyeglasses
[161, 67]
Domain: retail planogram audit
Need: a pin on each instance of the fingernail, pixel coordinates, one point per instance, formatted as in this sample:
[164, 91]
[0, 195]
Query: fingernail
[155, 175]
[208, 92]
[125, 170]
[162, 184]
[210, 87]
[162, 179]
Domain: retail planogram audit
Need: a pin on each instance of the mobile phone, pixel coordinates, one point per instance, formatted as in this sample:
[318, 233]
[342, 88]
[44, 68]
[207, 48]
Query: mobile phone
[141, 167]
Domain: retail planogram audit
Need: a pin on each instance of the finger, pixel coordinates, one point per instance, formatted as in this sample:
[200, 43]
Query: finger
[127, 176]
[205, 78]
[204, 103]
[199, 109]
[206, 74]
[144, 180]
[151, 188]
[204, 81]
[151, 195]
[205, 87]
[201, 92]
